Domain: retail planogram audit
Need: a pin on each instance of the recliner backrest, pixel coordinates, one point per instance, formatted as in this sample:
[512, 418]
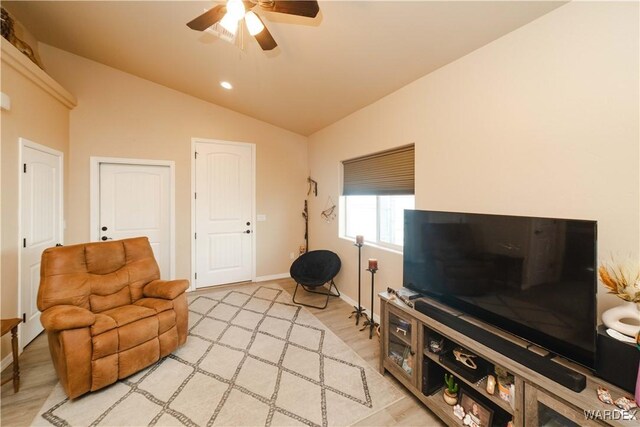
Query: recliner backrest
[96, 276]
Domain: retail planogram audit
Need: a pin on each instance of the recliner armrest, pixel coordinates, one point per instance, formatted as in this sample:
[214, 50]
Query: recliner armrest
[63, 317]
[165, 289]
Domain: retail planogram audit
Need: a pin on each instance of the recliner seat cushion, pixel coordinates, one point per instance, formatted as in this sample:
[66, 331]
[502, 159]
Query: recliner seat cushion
[157, 304]
[128, 314]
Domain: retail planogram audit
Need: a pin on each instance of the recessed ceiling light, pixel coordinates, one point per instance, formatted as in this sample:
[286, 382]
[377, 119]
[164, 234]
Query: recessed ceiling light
[226, 85]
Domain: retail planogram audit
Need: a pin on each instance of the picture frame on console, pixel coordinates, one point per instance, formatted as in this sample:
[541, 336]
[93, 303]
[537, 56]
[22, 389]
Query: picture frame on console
[476, 414]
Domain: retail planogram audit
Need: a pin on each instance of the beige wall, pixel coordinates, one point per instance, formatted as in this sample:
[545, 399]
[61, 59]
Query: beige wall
[39, 117]
[120, 115]
[542, 122]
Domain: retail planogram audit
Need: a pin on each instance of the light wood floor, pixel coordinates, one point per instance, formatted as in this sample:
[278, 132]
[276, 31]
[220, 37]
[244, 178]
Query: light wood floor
[38, 376]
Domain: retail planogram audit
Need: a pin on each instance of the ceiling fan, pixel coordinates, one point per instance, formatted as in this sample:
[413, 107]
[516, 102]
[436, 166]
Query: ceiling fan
[231, 13]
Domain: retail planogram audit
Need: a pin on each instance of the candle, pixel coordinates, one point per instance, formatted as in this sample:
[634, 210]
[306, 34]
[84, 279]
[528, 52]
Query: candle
[373, 264]
[359, 240]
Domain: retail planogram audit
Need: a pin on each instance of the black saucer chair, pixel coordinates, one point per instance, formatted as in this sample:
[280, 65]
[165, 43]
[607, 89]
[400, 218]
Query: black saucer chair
[313, 270]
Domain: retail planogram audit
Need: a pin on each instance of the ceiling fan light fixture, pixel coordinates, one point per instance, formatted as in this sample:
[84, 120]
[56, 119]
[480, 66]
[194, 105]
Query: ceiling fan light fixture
[254, 24]
[229, 24]
[235, 10]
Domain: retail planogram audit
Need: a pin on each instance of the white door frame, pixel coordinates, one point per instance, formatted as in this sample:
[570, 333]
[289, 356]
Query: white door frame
[252, 146]
[25, 143]
[94, 199]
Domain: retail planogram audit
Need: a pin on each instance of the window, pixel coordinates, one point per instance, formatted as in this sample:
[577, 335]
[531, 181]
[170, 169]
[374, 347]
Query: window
[377, 188]
[380, 219]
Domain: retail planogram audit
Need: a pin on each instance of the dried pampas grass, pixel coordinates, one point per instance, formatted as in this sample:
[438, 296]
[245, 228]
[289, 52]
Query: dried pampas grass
[622, 279]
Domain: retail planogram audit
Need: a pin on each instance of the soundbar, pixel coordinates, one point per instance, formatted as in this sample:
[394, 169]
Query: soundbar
[544, 366]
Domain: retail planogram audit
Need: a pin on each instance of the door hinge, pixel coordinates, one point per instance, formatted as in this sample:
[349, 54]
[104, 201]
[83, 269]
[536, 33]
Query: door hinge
[195, 154]
[24, 168]
[196, 276]
[24, 243]
[24, 317]
[195, 195]
[195, 235]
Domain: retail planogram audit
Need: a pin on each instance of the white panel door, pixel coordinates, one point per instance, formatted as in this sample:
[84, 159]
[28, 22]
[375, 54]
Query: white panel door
[135, 200]
[41, 219]
[223, 213]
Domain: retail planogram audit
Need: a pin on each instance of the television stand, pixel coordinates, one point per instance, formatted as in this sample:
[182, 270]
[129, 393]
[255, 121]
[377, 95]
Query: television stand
[535, 399]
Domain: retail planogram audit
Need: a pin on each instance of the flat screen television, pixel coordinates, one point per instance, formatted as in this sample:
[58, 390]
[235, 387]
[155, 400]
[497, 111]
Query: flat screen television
[533, 277]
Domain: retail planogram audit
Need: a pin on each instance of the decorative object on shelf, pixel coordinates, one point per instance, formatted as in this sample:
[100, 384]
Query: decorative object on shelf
[305, 215]
[613, 318]
[451, 391]
[477, 414]
[506, 385]
[622, 280]
[625, 403]
[458, 411]
[7, 24]
[313, 186]
[407, 361]
[604, 396]
[436, 344]
[359, 310]
[329, 212]
[491, 384]
[465, 358]
[403, 327]
[397, 294]
[373, 268]
[8, 32]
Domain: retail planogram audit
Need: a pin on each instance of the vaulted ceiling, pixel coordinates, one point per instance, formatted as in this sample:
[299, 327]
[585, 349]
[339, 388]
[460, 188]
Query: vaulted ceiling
[350, 55]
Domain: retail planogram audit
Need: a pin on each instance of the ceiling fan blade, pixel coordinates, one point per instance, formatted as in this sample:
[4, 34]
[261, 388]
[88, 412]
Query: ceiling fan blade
[301, 8]
[208, 18]
[265, 39]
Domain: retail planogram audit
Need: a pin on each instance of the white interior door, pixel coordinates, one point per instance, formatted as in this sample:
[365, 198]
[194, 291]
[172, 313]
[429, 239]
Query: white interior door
[135, 200]
[40, 225]
[224, 180]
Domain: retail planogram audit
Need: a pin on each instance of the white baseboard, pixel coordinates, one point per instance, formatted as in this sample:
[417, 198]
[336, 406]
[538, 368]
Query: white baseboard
[6, 361]
[272, 277]
[354, 303]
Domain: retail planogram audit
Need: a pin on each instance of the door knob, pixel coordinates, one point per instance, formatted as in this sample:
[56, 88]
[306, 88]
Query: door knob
[248, 232]
[104, 228]
[106, 238]
[248, 223]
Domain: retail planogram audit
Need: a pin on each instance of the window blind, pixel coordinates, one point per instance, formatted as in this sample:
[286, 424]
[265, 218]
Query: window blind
[390, 172]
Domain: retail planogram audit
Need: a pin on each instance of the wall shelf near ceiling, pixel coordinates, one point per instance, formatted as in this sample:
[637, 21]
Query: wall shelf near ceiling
[17, 60]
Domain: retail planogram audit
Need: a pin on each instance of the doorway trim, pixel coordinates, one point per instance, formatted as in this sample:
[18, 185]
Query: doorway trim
[194, 141]
[94, 198]
[25, 143]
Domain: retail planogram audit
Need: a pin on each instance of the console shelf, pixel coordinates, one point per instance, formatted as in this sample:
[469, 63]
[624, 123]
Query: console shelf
[480, 387]
[538, 400]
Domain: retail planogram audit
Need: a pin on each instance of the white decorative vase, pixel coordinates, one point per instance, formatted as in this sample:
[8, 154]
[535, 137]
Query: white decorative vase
[613, 317]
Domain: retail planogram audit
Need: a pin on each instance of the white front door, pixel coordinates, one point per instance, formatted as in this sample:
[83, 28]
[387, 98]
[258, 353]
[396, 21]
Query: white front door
[40, 225]
[224, 180]
[135, 200]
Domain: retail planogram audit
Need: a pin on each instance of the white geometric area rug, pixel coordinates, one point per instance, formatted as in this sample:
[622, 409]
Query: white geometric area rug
[252, 358]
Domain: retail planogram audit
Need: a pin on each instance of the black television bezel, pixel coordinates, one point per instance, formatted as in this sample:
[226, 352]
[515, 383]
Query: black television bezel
[552, 344]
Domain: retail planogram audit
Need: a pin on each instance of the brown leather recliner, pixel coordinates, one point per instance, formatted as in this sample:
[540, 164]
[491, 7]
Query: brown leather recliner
[106, 313]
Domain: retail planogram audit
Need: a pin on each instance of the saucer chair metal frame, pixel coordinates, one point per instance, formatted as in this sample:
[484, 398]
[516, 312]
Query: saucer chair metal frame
[315, 269]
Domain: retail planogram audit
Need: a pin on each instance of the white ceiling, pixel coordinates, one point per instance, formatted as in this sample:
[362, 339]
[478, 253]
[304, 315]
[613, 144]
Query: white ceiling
[350, 55]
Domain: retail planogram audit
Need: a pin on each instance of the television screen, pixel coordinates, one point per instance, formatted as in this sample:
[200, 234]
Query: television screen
[533, 277]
